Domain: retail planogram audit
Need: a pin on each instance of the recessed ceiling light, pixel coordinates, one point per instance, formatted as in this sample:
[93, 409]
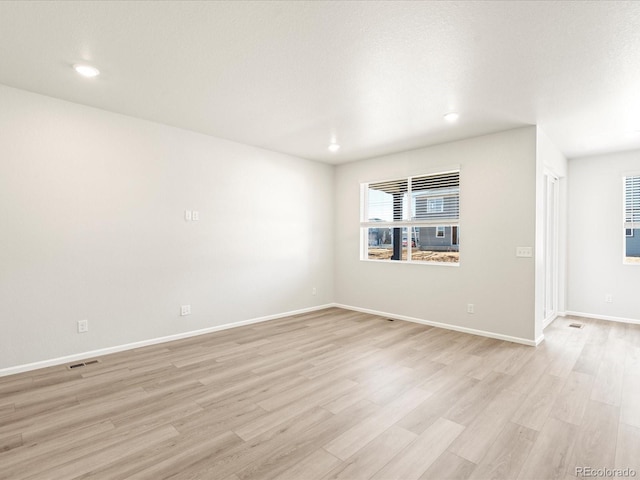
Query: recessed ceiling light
[451, 117]
[86, 70]
[334, 147]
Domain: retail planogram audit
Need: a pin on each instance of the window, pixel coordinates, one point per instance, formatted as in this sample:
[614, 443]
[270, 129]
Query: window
[632, 219]
[413, 219]
[435, 205]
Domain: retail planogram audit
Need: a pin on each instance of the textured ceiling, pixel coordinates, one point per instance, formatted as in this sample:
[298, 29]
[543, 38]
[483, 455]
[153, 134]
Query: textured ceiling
[376, 76]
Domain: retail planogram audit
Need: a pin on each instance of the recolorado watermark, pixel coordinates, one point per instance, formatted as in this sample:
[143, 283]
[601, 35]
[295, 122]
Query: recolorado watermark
[592, 472]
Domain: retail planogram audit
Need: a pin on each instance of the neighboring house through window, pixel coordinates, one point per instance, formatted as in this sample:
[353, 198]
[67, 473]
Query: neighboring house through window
[632, 219]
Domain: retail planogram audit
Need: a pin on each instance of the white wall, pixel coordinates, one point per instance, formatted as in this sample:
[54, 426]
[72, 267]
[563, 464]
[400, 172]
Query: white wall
[92, 210]
[498, 213]
[92, 227]
[595, 238]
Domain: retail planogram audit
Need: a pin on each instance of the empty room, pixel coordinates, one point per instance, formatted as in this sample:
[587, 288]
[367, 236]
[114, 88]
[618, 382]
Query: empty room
[312, 240]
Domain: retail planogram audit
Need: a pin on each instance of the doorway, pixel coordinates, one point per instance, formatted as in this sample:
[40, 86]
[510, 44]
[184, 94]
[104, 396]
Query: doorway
[551, 246]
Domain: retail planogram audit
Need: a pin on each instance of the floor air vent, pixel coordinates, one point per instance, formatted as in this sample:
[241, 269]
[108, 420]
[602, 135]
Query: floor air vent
[82, 364]
[576, 325]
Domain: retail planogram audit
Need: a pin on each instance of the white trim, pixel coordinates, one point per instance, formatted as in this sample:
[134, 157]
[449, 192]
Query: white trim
[144, 343]
[436, 222]
[412, 262]
[154, 341]
[604, 317]
[446, 326]
[549, 320]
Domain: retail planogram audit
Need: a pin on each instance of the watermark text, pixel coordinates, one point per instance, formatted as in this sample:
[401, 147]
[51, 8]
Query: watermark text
[605, 472]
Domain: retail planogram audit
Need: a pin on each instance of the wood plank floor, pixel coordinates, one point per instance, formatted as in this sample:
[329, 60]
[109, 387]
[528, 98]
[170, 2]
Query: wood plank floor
[333, 394]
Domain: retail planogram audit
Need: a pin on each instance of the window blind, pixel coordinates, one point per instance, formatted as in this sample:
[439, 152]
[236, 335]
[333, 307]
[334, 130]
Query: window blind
[425, 199]
[632, 202]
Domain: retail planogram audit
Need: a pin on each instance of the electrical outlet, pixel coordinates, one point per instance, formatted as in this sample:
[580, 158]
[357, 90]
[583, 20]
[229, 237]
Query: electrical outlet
[188, 214]
[470, 308]
[524, 252]
[313, 291]
[195, 215]
[83, 326]
[185, 310]
[608, 298]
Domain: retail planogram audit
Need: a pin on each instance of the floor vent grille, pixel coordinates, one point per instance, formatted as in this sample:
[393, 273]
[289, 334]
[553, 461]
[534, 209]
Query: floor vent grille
[576, 325]
[390, 320]
[82, 364]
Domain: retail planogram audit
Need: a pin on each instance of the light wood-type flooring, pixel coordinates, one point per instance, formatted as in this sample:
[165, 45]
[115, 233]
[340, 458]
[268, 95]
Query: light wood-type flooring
[333, 394]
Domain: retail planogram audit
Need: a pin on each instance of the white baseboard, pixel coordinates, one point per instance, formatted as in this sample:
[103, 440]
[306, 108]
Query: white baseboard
[154, 341]
[604, 317]
[482, 333]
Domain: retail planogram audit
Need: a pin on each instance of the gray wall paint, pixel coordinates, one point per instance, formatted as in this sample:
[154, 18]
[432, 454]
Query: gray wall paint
[596, 237]
[497, 214]
[92, 207]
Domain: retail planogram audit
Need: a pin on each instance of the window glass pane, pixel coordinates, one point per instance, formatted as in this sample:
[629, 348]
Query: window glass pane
[425, 243]
[436, 197]
[387, 201]
[632, 245]
[380, 243]
[632, 219]
[436, 244]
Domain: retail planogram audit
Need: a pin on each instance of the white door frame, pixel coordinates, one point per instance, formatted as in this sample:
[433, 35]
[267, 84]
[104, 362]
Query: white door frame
[551, 246]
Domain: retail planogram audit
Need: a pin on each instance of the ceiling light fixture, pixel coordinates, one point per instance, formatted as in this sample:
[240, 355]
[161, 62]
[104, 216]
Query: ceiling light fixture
[334, 147]
[451, 117]
[86, 70]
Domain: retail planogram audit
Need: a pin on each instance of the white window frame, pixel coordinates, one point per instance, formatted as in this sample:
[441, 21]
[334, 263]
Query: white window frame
[440, 229]
[630, 213]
